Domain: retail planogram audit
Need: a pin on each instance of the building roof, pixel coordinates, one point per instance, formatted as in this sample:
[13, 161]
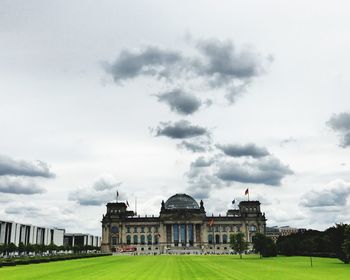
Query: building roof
[181, 201]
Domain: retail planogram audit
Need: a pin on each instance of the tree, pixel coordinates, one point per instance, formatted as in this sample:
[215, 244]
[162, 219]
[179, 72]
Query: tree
[21, 248]
[11, 248]
[346, 244]
[264, 245]
[238, 243]
[259, 243]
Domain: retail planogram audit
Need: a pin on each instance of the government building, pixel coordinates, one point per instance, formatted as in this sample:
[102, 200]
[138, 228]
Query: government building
[182, 226]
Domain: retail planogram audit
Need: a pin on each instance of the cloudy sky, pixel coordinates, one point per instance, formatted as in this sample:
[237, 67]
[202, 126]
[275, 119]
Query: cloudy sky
[158, 97]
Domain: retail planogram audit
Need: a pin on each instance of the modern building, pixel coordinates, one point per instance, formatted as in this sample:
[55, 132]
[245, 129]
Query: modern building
[181, 227]
[12, 232]
[81, 239]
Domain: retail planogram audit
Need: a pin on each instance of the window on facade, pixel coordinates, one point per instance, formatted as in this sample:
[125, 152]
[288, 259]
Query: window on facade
[128, 229]
[217, 239]
[156, 239]
[142, 239]
[216, 228]
[128, 239]
[150, 229]
[224, 239]
[210, 239]
[114, 241]
[252, 228]
[142, 229]
[136, 239]
[149, 239]
[135, 228]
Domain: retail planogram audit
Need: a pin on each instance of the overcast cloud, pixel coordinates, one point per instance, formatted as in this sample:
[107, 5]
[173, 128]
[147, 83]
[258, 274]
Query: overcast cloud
[103, 190]
[180, 130]
[9, 166]
[340, 123]
[253, 78]
[180, 101]
[19, 185]
[244, 150]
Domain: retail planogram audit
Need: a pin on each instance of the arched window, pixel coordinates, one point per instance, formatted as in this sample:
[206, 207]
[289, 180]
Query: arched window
[142, 239]
[156, 239]
[224, 239]
[217, 239]
[149, 239]
[210, 239]
[136, 239]
[128, 239]
[252, 228]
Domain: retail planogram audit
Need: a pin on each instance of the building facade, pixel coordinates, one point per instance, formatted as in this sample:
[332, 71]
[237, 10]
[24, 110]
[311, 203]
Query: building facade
[81, 239]
[182, 226]
[12, 232]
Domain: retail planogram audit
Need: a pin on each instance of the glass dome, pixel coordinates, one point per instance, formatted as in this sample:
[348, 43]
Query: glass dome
[181, 201]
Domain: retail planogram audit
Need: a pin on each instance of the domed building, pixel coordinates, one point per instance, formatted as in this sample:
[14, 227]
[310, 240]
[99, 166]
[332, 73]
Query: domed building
[182, 226]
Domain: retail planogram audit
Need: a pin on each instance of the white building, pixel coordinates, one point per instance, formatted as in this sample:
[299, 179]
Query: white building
[12, 232]
[81, 239]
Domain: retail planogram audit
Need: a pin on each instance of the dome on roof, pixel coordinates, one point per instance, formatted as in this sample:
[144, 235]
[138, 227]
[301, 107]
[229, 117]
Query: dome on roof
[181, 201]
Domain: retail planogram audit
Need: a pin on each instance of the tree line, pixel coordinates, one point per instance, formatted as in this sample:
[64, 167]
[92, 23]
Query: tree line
[333, 242]
[40, 249]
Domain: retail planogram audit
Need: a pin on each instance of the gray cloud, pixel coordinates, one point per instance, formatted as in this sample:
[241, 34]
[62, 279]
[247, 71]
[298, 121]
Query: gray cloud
[244, 150]
[180, 102]
[334, 195]
[196, 145]
[268, 171]
[106, 183]
[19, 185]
[180, 130]
[202, 162]
[151, 61]
[341, 123]
[13, 167]
[214, 64]
[225, 67]
[101, 192]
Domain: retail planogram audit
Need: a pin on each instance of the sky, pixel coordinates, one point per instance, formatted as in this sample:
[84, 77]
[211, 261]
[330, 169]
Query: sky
[153, 98]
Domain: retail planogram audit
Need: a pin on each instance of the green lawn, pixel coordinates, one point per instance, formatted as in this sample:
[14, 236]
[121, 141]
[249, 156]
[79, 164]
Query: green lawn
[182, 267]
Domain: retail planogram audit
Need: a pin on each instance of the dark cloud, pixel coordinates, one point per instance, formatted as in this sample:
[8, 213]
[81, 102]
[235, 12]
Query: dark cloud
[180, 130]
[13, 167]
[214, 64]
[201, 184]
[151, 61]
[207, 174]
[244, 150]
[196, 145]
[268, 171]
[341, 123]
[202, 162]
[334, 195]
[192, 147]
[103, 191]
[225, 63]
[19, 185]
[180, 102]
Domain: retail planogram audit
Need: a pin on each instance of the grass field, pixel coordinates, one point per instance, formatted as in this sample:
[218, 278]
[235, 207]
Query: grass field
[182, 267]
